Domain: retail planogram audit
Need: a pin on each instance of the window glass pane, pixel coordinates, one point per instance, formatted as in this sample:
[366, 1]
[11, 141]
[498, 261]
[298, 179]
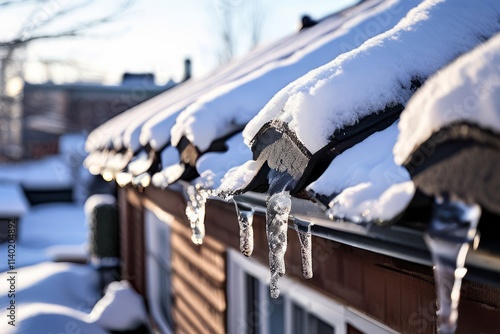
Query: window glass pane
[353, 330]
[275, 310]
[298, 319]
[165, 294]
[318, 326]
[252, 305]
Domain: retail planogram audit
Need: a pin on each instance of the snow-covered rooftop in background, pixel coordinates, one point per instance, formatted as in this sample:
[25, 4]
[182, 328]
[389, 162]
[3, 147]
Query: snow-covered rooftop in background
[61, 298]
[13, 202]
[233, 105]
[366, 182]
[467, 90]
[380, 72]
[51, 172]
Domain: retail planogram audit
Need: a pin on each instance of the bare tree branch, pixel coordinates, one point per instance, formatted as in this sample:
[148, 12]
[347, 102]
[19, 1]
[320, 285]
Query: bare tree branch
[18, 2]
[28, 32]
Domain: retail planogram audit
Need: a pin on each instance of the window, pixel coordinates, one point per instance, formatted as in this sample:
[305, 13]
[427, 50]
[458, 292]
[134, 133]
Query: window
[297, 310]
[159, 269]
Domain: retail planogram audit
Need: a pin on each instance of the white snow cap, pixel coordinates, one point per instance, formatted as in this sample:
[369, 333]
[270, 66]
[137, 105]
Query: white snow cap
[368, 183]
[379, 72]
[467, 90]
[233, 105]
[97, 200]
[121, 308]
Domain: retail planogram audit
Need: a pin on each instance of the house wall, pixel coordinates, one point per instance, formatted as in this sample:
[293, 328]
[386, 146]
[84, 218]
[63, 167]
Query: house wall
[394, 292]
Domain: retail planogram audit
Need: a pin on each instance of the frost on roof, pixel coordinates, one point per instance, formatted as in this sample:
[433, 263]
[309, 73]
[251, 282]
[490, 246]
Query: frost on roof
[363, 184]
[236, 102]
[467, 90]
[380, 72]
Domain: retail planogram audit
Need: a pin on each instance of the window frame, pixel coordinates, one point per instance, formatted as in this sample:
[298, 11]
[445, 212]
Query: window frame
[314, 303]
[157, 256]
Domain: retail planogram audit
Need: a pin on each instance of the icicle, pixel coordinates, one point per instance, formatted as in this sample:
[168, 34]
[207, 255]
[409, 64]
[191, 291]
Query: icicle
[278, 209]
[305, 248]
[195, 211]
[245, 220]
[452, 231]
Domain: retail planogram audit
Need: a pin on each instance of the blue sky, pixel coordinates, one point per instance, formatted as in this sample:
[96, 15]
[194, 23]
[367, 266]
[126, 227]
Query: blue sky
[151, 36]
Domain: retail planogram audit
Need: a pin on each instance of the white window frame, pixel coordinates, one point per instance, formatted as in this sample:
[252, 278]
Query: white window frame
[154, 251]
[328, 310]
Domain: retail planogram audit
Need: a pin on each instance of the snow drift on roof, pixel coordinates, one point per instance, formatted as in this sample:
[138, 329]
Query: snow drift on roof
[467, 90]
[380, 72]
[231, 106]
[368, 185]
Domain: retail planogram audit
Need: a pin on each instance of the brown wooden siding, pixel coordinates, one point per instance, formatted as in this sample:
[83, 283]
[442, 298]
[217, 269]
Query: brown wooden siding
[132, 249]
[397, 293]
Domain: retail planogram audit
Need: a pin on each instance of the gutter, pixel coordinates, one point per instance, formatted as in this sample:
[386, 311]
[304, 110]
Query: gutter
[400, 242]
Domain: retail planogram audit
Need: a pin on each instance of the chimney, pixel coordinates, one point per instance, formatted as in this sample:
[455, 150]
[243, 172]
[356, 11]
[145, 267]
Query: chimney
[187, 69]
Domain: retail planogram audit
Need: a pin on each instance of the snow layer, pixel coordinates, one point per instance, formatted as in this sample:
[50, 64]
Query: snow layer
[370, 186]
[13, 203]
[121, 308]
[467, 90]
[60, 298]
[237, 102]
[51, 172]
[46, 226]
[52, 297]
[212, 166]
[378, 73]
[238, 178]
[156, 130]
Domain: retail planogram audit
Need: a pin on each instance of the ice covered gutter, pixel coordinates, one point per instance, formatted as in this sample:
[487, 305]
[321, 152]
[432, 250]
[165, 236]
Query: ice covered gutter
[364, 184]
[380, 72]
[467, 90]
[237, 102]
[339, 105]
[450, 142]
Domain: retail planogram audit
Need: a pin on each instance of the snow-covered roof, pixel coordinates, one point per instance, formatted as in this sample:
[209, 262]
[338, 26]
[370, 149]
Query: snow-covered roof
[13, 202]
[467, 90]
[51, 172]
[237, 102]
[379, 73]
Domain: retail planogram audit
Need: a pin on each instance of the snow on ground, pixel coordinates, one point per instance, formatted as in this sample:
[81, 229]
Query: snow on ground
[50, 231]
[467, 90]
[61, 298]
[368, 183]
[233, 105]
[379, 73]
